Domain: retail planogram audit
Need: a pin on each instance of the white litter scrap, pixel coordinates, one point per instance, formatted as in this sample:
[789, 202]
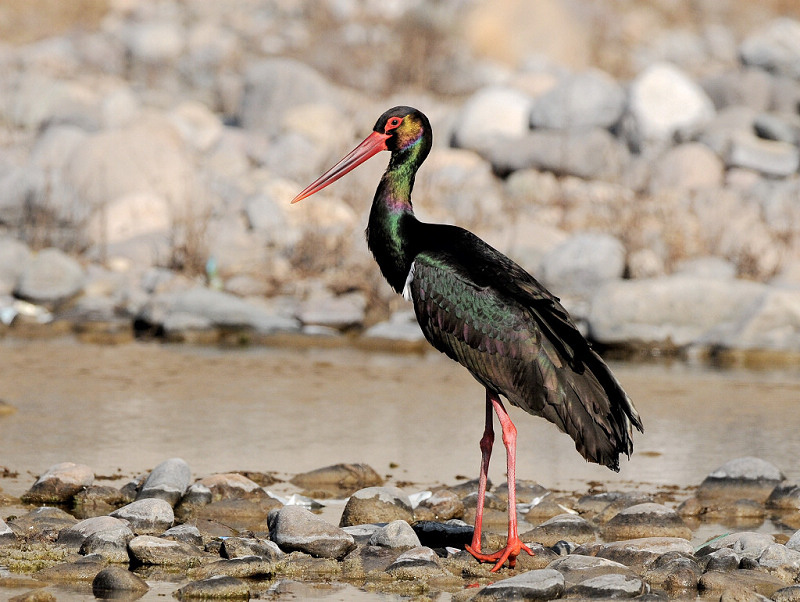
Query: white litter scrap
[297, 500]
[419, 497]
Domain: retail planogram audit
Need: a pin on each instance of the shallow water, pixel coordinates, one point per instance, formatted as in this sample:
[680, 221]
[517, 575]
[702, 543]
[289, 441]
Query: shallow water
[415, 418]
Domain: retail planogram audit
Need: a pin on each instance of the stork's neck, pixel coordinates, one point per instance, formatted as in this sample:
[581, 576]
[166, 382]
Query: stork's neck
[390, 234]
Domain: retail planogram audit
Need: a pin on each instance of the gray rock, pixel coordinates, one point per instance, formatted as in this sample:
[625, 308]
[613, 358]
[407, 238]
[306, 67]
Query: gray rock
[591, 154]
[614, 585]
[396, 534]
[569, 527]
[229, 486]
[109, 544]
[147, 516]
[416, 563]
[296, 528]
[85, 569]
[675, 310]
[664, 103]
[781, 561]
[42, 523]
[115, 580]
[221, 309]
[147, 549]
[376, 505]
[747, 87]
[580, 101]
[723, 559]
[774, 48]
[244, 567]
[167, 481]
[769, 157]
[687, 167]
[746, 544]
[784, 127]
[577, 568]
[490, 113]
[240, 547]
[742, 584]
[20, 189]
[215, 587]
[275, 86]
[541, 584]
[186, 533]
[794, 542]
[51, 276]
[583, 263]
[401, 326]
[646, 520]
[742, 478]
[334, 311]
[7, 536]
[639, 553]
[444, 505]
[59, 483]
[718, 133]
[75, 535]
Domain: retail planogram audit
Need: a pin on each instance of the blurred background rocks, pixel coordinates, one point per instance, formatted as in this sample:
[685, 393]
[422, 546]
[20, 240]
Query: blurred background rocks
[640, 158]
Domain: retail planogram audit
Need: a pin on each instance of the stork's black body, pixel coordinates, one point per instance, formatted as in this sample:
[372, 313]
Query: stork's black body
[487, 313]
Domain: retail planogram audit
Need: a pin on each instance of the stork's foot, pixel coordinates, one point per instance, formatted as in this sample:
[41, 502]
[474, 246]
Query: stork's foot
[513, 549]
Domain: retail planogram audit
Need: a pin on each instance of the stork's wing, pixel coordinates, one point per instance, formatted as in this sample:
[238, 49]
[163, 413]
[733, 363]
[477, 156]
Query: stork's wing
[487, 313]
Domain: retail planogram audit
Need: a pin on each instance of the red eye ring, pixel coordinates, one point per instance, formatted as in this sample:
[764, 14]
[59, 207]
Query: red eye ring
[392, 124]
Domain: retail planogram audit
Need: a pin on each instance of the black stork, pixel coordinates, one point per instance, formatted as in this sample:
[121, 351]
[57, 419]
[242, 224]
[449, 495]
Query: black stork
[484, 311]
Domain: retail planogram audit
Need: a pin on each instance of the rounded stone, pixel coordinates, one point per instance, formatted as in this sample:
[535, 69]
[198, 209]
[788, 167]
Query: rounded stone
[220, 586]
[147, 516]
[646, 520]
[541, 584]
[376, 505]
[59, 483]
[742, 478]
[115, 579]
[167, 481]
[295, 528]
[569, 527]
[396, 534]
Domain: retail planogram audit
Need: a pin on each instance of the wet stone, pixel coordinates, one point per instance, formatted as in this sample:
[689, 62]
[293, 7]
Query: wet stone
[167, 481]
[724, 559]
[367, 559]
[785, 497]
[739, 583]
[780, 561]
[247, 566]
[42, 523]
[239, 547]
[237, 512]
[527, 491]
[794, 541]
[75, 535]
[673, 573]
[443, 505]
[115, 580]
[7, 536]
[396, 534]
[376, 505]
[36, 595]
[59, 484]
[564, 526]
[110, 545]
[746, 544]
[603, 506]
[646, 520]
[743, 478]
[146, 549]
[577, 568]
[99, 500]
[416, 563]
[547, 508]
[362, 533]
[614, 585]
[542, 584]
[148, 516]
[83, 570]
[337, 480]
[725, 509]
[186, 533]
[639, 553]
[295, 528]
[215, 587]
[229, 486]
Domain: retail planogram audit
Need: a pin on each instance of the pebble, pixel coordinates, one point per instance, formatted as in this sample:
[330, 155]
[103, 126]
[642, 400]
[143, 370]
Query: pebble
[568, 527]
[230, 588]
[59, 484]
[113, 580]
[541, 584]
[443, 505]
[646, 520]
[577, 568]
[228, 486]
[491, 113]
[167, 481]
[295, 528]
[337, 480]
[148, 516]
[146, 549]
[376, 505]
[417, 563]
[774, 48]
[75, 535]
[615, 585]
[240, 547]
[396, 534]
[741, 478]
[42, 523]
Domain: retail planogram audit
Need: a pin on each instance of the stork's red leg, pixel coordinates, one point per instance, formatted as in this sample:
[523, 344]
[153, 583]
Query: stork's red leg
[514, 545]
[487, 441]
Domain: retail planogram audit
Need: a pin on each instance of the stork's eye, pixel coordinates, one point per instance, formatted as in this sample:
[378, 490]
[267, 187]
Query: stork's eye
[392, 124]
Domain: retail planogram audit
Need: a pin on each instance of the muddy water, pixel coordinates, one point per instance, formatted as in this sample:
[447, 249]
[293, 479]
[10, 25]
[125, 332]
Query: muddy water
[414, 418]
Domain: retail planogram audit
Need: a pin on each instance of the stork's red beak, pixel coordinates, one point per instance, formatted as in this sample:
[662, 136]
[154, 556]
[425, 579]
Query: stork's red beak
[371, 146]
